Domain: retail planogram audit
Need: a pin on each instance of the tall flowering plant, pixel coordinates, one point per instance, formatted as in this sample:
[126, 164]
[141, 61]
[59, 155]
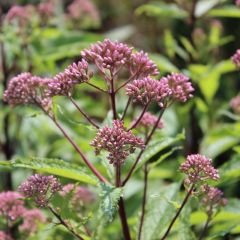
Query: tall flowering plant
[120, 139]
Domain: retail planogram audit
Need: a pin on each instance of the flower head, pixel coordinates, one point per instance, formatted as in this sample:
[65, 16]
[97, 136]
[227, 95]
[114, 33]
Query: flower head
[237, 2]
[236, 58]
[212, 198]
[11, 205]
[80, 9]
[141, 64]
[117, 141]
[64, 82]
[46, 9]
[5, 236]
[27, 89]
[40, 188]
[179, 85]
[198, 168]
[81, 195]
[108, 55]
[20, 13]
[149, 120]
[235, 104]
[147, 89]
[31, 220]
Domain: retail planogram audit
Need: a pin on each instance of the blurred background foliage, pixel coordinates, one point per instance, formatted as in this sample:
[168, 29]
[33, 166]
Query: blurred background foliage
[198, 43]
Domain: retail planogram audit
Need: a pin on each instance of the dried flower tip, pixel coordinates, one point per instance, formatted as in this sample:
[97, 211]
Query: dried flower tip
[236, 58]
[142, 66]
[117, 141]
[235, 104]
[108, 55]
[198, 168]
[81, 195]
[179, 85]
[31, 220]
[149, 120]
[40, 188]
[11, 205]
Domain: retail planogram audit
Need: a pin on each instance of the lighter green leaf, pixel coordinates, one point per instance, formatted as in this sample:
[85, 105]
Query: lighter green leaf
[226, 11]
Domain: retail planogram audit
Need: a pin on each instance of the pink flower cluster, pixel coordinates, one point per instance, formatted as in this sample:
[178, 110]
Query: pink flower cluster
[236, 58]
[175, 86]
[149, 120]
[117, 141]
[46, 9]
[198, 168]
[40, 188]
[235, 104]
[28, 89]
[31, 220]
[5, 236]
[11, 205]
[81, 195]
[80, 9]
[237, 2]
[212, 196]
[63, 83]
[108, 55]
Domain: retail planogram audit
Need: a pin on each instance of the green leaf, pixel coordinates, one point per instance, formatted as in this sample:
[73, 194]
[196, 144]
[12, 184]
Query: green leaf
[159, 212]
[121, 33]
[226, 11]
[163, 63]
[158, 9]
[220, 139]
[109, 200]
[56, 167]
[157, 146]
[231, 169]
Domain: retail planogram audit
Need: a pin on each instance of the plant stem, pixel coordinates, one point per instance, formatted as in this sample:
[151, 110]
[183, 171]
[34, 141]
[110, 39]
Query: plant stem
[83, 113]
[112, 96]
[126, 108]
[144, 201]
[128, 81]
[178, 212]
[96, 87]
[79, 151]
[139, 118]
[123, 217]
[63, 222]
[142, 151]
[205, 227]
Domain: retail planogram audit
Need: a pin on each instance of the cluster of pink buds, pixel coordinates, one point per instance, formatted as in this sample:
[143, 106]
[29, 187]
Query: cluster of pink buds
[108, 55]
[236, 58]
[11, 206]
[31, 220]
[28, 89]
[141, 66]
[46, 9]
[179, 85]
[117, 141]
[149, 120]
[198, 168]
[81, 196]
[5, 236]
[237, 2]
[212, 198]
[64, 82]
[80, 9]
[235, 104]
[40, 188]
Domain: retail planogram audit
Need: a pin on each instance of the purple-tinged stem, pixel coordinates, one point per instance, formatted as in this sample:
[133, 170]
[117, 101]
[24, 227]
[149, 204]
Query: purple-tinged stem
[96, 87]
[142, 151]
[205, 227]
[112, 96]
[178, 212]
[83, 113]
[139, 118]
[128, 81]
[144, 201]
[63, 222]
[126, 108]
